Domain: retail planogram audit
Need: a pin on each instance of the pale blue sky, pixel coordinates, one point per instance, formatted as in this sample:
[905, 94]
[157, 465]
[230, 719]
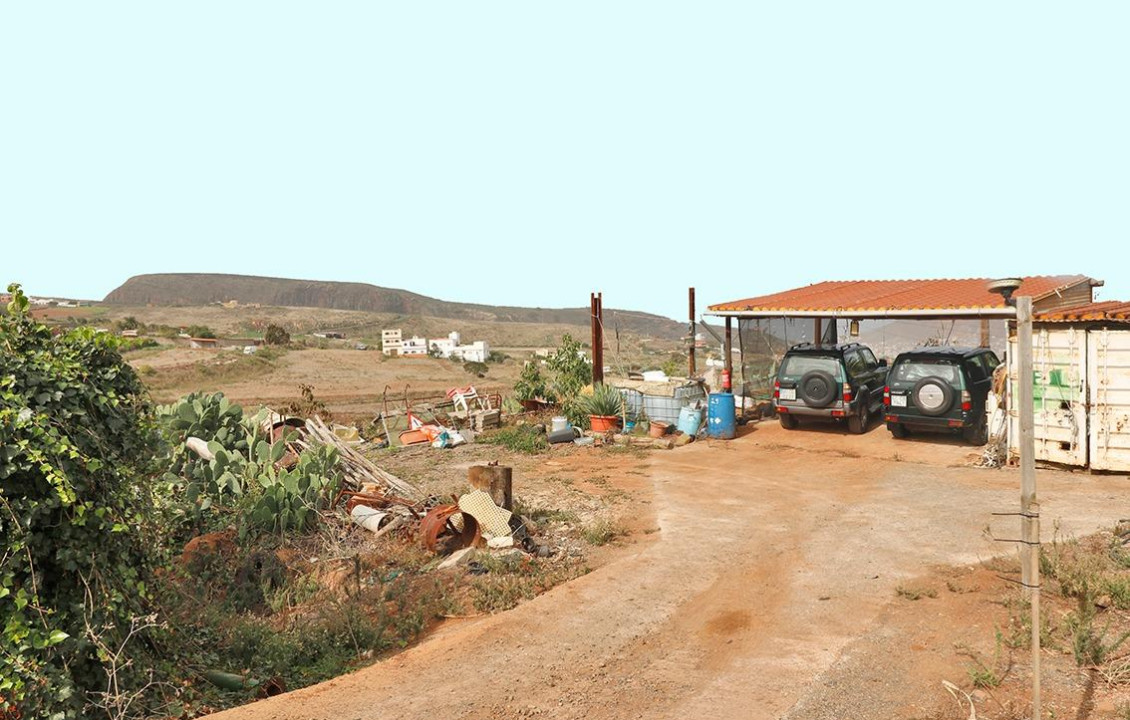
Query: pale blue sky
[527, 153]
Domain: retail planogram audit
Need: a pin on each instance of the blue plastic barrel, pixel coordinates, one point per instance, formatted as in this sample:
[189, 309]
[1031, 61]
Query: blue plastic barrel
[720, 419]
[689, 420]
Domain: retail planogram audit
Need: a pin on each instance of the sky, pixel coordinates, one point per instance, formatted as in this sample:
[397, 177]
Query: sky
[520, 153]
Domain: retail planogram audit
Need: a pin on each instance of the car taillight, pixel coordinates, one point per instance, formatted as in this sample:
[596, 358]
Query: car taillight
[966, 401]
[887, 395]
[847, 393]
[777, 389]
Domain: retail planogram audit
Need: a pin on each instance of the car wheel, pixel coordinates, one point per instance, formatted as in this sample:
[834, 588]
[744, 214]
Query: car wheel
[789, 422]
[932, 396]
[899, 430]
[817, 388]
[857, 424]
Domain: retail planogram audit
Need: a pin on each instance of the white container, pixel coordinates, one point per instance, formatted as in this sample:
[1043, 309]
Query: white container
[558, 424]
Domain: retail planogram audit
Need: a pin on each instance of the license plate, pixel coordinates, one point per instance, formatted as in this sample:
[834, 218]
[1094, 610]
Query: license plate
[788, 393]
[898, 401]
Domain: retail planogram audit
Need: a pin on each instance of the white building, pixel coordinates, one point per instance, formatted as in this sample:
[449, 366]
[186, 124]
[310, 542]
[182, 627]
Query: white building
[391, 342]
[477, 351]
[414, 346]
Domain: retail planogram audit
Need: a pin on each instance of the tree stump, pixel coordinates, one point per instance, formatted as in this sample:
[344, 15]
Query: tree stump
[496, 480]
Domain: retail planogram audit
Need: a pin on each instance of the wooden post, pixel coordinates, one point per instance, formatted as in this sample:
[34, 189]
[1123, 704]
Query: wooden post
[690, 354]
[1029, 506]
[728, 348]
[600, 335]
[496, 480]
[985, 332]
[818, 329]
[597, 320]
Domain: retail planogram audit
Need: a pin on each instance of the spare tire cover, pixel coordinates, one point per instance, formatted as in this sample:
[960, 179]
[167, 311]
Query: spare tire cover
[932, 396]
[817, 388]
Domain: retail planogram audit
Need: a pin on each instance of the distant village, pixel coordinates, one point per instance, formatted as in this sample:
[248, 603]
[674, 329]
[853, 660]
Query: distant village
[393, 344]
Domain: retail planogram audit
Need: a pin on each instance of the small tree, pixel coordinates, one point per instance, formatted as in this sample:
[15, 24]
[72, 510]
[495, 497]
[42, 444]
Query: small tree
[572, 372]
[276, 335]
[531, 384]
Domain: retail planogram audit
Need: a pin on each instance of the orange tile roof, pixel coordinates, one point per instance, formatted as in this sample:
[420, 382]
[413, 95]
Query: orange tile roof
[1115, 310]
[895, 296]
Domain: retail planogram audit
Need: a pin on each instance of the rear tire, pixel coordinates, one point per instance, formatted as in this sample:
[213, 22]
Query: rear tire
[899, 431]
[789, 422]
[857, 424]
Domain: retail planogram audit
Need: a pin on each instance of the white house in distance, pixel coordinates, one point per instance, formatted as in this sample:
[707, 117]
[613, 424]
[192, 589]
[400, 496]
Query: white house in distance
[393, 343]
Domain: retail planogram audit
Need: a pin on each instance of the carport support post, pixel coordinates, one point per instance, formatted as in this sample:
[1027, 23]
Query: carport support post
[1029, 507]
[728, 348]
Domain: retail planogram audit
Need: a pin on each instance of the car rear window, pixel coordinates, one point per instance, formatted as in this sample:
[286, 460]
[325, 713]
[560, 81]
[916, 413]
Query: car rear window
[911, 371]
[795, 366]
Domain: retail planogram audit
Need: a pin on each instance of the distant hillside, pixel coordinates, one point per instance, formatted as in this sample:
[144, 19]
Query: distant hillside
[192, 289]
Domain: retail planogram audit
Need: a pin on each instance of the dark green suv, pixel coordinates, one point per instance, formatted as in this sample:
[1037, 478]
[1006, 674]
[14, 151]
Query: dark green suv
[940, 388]
[840, 382]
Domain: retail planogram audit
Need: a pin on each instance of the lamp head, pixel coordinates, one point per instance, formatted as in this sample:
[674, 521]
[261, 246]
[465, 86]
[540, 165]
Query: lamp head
[1005, 287]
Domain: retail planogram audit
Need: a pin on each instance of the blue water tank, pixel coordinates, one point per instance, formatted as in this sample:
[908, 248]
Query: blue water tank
[689, 420]
[720, 419]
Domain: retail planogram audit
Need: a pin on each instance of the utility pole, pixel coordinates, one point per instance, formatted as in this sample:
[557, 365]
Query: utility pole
[1029, 505]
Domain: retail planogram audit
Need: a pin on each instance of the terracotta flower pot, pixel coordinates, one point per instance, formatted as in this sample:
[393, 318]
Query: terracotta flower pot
[658, 429]
[604, 423]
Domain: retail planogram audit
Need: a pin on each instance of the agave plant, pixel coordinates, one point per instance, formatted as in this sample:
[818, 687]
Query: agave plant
[605, 400]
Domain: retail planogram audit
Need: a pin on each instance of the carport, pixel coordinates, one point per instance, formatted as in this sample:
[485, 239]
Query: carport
[764, 330]
[769, 324]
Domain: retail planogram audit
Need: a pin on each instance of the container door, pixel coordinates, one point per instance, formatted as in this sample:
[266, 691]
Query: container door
[1059, 392]
[1109, 369]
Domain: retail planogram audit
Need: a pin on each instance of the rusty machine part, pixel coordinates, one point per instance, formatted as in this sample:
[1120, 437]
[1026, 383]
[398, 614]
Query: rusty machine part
[438, 521]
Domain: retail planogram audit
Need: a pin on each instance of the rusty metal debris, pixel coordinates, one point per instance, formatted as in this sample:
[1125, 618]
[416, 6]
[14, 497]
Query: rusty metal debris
[441, 520]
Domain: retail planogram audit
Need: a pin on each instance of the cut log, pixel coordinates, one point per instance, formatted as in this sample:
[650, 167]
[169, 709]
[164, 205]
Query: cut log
[496, 480]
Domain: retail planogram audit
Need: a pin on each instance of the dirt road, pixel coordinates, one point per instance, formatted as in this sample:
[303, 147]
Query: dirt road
[773, 573]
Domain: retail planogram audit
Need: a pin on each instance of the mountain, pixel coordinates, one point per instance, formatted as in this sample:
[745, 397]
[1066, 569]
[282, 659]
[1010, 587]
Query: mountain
[192, 289]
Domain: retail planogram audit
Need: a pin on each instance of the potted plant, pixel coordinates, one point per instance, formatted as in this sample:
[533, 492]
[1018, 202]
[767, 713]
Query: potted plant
[604, 407]
[531, 390]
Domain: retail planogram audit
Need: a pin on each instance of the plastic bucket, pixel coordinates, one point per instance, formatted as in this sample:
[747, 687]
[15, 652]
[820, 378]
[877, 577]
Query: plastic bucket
[558, 424]
[720, 418]
[689, 420]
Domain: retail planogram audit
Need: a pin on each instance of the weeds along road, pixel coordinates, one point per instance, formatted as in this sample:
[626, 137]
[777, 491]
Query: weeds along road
[777, 550]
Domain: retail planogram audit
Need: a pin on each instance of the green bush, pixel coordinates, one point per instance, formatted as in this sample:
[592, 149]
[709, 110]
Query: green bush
[276, 335]
[200, 331]
[75, 515]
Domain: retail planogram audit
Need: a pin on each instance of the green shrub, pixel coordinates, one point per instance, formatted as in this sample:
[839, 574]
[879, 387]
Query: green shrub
[519, 438]
[276, 335]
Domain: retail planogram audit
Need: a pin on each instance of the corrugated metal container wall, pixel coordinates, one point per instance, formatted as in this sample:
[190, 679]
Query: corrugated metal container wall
[1059, 365]
[1109, 370]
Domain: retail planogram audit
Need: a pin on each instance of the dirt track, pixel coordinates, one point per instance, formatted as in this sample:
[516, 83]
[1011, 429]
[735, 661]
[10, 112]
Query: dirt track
[768, 593]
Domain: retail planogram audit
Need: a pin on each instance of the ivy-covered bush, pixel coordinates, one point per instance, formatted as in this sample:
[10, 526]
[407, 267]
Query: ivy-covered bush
[76, 442]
